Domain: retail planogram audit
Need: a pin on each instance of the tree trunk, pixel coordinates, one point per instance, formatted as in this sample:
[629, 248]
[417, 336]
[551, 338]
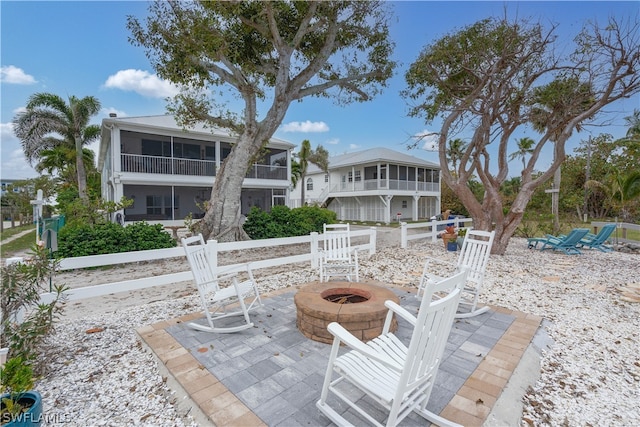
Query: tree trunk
[302, 189]
[222, 218]
[80, 170]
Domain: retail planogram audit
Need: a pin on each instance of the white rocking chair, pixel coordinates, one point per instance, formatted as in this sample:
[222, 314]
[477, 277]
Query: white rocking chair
[338, 258]
[397, 377]
[474, 255]
[216, 300]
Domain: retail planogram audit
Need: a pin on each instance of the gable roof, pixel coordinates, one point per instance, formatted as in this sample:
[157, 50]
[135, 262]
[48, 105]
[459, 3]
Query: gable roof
[374, 155]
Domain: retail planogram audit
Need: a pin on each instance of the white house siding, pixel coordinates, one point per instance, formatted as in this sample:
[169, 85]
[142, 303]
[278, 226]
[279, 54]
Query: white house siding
[169, 173]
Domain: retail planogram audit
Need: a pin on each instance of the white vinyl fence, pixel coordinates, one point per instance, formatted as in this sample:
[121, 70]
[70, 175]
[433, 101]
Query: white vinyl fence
[428, 230]
[313, 240]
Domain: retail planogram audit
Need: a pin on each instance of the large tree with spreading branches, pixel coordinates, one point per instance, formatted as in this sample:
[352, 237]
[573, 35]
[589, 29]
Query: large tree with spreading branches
[496, 79]
[267, 55]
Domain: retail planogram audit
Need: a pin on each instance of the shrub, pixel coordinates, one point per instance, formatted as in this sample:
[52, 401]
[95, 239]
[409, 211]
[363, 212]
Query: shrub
[107, 238]
[285, 222]
[26, 321]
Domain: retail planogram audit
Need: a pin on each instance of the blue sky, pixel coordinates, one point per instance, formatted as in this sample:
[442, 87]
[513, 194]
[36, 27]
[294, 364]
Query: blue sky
[81, 48]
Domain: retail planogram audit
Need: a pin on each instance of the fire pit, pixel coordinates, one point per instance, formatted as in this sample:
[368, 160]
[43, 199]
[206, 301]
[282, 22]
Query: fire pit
[359, 307]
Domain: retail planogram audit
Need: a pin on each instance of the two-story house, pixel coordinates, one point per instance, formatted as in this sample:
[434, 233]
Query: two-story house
[378, 185]
[169, 172]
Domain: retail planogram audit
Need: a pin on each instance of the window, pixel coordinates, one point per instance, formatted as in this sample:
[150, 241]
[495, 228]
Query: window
[186, 151]
[209, 153]
[309, 184]
[326, 177]
[404, 204]
[156, 148]
[357, 176]
[350, 176]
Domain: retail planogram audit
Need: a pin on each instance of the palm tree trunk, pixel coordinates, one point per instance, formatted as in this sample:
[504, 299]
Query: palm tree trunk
[81, 171]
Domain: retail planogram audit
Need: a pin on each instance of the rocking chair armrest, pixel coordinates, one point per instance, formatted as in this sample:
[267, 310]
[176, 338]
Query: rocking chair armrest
[397, 309]
[343, 335]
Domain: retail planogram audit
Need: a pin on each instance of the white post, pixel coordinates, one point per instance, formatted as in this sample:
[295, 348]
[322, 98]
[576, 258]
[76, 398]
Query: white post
[314, 250]
[434, 230]
[403, 235]
[372, 240]
[37, 213]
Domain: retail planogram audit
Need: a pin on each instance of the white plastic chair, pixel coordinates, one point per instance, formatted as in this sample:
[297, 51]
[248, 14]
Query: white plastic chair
[474, 255]
[215, 300]
[338, 258]
[397, 377]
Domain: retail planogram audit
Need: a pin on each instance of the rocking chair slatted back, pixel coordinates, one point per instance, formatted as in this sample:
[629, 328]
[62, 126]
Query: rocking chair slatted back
[338, 257]
[429, 338]
[200, 264]
[475, 252]
[337, 242]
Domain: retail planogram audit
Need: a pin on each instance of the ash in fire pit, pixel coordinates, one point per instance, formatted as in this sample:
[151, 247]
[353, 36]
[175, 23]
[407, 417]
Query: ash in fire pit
[346, 296]
[359, 307]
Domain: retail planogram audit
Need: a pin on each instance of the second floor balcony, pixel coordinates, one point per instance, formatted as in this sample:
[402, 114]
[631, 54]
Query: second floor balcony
[391, 184]
[179, 166]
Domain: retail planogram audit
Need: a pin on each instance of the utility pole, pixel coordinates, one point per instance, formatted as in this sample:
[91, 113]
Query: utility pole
[587, 177]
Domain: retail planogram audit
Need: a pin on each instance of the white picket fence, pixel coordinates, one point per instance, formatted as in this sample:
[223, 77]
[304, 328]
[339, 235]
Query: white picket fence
[313, 257]
[432, 229]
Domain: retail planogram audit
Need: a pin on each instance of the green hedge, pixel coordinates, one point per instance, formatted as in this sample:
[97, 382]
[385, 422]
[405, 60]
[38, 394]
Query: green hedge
[285, 222]
[109, 238]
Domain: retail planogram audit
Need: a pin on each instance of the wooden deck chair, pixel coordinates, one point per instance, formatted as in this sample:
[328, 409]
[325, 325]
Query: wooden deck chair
[598, 241]
[219, 302]
[397, 377]
[338, 258]
[567, 244]
[474, 255]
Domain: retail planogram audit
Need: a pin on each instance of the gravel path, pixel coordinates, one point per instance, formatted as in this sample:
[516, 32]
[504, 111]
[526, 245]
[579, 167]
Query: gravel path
[590, 377]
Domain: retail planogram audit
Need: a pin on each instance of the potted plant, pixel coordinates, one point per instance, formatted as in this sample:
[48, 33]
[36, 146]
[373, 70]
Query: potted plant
[20, 405]
[449, 236]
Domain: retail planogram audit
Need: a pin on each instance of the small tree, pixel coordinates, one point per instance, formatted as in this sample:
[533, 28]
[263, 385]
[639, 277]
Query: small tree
[496, 77]
[306, 155]
[268, 55]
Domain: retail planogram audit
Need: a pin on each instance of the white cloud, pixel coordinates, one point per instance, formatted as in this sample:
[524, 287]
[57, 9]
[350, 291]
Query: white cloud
[305, 127]
[143, 83]
[6, 132]
[353, 146]
[429, 140]
[15, 75]
[14, 165]
[333, 141]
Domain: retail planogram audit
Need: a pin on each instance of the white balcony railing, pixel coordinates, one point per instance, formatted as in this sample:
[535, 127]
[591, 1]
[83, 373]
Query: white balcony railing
[393, 184]
[167, 165]
[177, 166]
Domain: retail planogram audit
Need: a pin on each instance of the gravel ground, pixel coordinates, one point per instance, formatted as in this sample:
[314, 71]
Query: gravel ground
[591, 376]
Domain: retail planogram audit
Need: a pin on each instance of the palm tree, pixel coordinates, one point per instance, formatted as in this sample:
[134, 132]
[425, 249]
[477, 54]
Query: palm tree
[455, 151]
[620, 189]
[49, 122]
[525, 147]
[319, 157]
[62, 159]
[633, 122]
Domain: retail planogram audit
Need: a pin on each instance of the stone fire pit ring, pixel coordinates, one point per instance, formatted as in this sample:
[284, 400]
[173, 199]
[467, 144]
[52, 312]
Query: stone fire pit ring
[363, 319]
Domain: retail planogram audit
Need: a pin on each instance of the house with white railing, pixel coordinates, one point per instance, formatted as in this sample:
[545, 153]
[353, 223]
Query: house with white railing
[169, 172]
[378, 184]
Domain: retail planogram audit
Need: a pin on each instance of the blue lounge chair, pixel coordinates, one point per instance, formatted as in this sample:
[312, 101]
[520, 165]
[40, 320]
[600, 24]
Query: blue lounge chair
[597, 241]
[567, 244]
